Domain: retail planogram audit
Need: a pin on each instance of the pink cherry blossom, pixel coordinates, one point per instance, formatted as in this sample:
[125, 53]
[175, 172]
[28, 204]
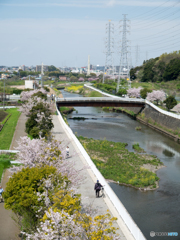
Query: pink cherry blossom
[134, 92]
[156, 95]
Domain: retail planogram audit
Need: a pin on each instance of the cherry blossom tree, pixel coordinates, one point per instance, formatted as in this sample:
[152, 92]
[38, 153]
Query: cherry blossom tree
[60, 225]
[81, 79]
[40, 152]
[156, 95]
[134, 92]
[39, 111]
[25, 95]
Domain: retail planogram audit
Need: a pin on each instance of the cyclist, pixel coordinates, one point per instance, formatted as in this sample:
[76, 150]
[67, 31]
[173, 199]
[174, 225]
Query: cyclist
[67, 152]
[97, 187]
[1, 191]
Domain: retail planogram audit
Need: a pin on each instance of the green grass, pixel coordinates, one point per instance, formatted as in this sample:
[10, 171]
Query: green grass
[7, 132]
[5, 162]
[94, 94]
[137, 148]
[3, 115]
[115, 162]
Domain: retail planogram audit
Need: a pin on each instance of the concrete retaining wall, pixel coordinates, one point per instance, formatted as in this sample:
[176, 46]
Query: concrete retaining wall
[163, 119]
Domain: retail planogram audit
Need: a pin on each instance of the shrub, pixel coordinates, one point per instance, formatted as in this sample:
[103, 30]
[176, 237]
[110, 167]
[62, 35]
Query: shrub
[144, 91]
[21, 193]
[170, 102]
[122, 91]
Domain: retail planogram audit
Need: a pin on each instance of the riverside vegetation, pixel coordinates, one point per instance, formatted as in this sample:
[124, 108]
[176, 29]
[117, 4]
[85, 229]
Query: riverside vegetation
[84, 91]
[116, 163]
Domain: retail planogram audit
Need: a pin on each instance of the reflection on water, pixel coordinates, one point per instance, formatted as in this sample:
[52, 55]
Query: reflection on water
[157, 210]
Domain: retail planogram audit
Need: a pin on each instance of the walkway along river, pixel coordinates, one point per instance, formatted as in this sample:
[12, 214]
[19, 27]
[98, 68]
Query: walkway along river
[157, 210]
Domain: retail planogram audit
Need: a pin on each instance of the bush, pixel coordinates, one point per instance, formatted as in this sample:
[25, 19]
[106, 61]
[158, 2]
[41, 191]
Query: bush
[122, 91]
[170, 102]
[21, 193]
[144, 92]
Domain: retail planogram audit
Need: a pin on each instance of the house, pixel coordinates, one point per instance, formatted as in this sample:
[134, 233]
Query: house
[62, 78]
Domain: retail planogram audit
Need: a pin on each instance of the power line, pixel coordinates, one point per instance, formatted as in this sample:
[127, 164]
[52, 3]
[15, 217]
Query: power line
[158, 13]
[155, 24]
[149, 36]
[151, 10]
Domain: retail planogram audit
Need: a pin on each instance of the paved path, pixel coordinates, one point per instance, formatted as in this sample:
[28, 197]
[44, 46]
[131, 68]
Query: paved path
[86, 189]
[19, 132]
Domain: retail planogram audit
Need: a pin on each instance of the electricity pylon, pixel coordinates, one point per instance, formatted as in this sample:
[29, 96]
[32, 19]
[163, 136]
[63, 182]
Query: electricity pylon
[109, 45]
[124, 67]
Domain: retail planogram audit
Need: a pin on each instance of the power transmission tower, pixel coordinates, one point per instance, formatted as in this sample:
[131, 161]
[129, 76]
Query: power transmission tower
[124, 67]
[109, 45]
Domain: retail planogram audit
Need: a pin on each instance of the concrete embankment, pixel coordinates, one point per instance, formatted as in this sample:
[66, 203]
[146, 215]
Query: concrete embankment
[154, 117]
[163, 122]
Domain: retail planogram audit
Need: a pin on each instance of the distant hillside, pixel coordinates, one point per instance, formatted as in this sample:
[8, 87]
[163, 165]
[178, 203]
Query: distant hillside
[161, 69]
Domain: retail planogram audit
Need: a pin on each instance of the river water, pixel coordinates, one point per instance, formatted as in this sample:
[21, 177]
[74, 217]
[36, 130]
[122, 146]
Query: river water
[157, 210]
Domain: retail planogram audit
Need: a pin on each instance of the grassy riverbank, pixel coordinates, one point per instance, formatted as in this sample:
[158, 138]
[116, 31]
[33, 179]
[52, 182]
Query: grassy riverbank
[7, 132]
[115, 162]
[120, 109]
[83, 91]
[5, 161]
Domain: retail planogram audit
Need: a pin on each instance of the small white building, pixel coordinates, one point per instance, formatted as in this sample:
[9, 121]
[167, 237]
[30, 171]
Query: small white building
[29, 84]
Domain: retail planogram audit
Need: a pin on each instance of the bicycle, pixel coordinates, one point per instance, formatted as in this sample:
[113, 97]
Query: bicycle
[67, 154]
[1, 198]
[102, 191]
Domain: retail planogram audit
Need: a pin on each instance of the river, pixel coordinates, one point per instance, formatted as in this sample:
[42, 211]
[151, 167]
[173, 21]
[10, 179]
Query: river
[156, 210]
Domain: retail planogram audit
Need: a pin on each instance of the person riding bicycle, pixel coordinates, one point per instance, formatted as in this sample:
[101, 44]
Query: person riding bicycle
[97, 187]
[1, 191]
[67, 152]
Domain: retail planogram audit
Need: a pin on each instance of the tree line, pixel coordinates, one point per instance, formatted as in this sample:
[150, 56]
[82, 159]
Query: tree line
[161, 69]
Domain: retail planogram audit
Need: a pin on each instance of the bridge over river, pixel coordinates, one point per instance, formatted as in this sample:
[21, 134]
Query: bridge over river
[100, 102]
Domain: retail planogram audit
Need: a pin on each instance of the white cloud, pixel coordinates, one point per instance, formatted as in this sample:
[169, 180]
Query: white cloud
[111, 3]
[95, 4]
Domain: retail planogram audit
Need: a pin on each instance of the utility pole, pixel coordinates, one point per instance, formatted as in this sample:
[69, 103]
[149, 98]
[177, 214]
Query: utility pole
[4, 95]
[88, 71]
[42, 73]
[124, 68]
[137, 56]
[109, 45]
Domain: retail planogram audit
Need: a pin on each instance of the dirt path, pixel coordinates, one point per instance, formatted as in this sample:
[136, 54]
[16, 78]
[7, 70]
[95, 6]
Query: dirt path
[9, 229]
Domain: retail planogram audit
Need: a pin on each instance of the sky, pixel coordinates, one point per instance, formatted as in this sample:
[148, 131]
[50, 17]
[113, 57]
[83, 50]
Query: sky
[64, 32]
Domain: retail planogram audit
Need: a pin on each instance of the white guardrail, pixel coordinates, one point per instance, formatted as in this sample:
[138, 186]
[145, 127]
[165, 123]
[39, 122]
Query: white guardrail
[146, 101]
[133, 228]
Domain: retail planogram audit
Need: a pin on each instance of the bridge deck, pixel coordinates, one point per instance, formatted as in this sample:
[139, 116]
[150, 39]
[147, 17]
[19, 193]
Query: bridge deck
[100, 102]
